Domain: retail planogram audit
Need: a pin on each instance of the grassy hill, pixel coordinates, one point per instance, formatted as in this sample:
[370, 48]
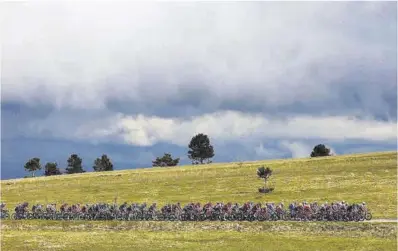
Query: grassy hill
[355, 178]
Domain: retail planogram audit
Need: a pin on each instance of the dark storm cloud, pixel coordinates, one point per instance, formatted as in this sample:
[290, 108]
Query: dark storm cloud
[260, 78]
[199, 55]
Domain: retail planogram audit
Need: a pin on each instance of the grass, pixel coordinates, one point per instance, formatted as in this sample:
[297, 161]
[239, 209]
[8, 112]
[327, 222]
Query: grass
[353, 178]
[36, 235]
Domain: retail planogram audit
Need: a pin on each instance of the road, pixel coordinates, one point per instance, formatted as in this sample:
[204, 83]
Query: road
[384, 220]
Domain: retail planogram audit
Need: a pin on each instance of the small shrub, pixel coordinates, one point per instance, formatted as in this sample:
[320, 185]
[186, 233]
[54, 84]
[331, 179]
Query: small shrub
[264, 173]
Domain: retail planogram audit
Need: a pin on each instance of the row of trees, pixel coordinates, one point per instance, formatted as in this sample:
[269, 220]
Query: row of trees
[200, 152]
[74, 165]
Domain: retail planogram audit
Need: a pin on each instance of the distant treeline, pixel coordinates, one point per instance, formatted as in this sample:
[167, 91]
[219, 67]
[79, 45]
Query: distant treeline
[200, 151]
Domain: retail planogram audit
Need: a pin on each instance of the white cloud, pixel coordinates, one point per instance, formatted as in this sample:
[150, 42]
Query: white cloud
[221, 126]
[235, 126]
[267, 152]
[297, 149]
[81, 54]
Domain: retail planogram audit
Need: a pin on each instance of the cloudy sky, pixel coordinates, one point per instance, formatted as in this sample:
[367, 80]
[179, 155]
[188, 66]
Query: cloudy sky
[134, 80]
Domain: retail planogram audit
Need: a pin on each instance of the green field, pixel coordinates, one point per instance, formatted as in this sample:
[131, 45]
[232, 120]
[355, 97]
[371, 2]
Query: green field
[354, 178]
[104, 236]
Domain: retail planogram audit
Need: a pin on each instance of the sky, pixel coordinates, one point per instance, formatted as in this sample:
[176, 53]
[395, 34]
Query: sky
[133, 80]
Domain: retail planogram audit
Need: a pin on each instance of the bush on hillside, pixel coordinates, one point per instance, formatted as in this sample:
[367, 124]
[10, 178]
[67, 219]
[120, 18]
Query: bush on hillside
[166, 160]
[320, 151]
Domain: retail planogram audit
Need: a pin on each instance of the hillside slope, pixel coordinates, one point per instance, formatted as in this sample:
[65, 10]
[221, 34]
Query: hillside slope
[353, 178]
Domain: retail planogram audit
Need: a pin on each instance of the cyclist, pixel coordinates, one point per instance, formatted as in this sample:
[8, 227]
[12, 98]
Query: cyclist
[2, 206]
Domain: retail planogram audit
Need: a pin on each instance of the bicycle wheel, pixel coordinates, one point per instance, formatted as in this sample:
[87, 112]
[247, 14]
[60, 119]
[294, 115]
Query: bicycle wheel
[98, 217]
[368, 216]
